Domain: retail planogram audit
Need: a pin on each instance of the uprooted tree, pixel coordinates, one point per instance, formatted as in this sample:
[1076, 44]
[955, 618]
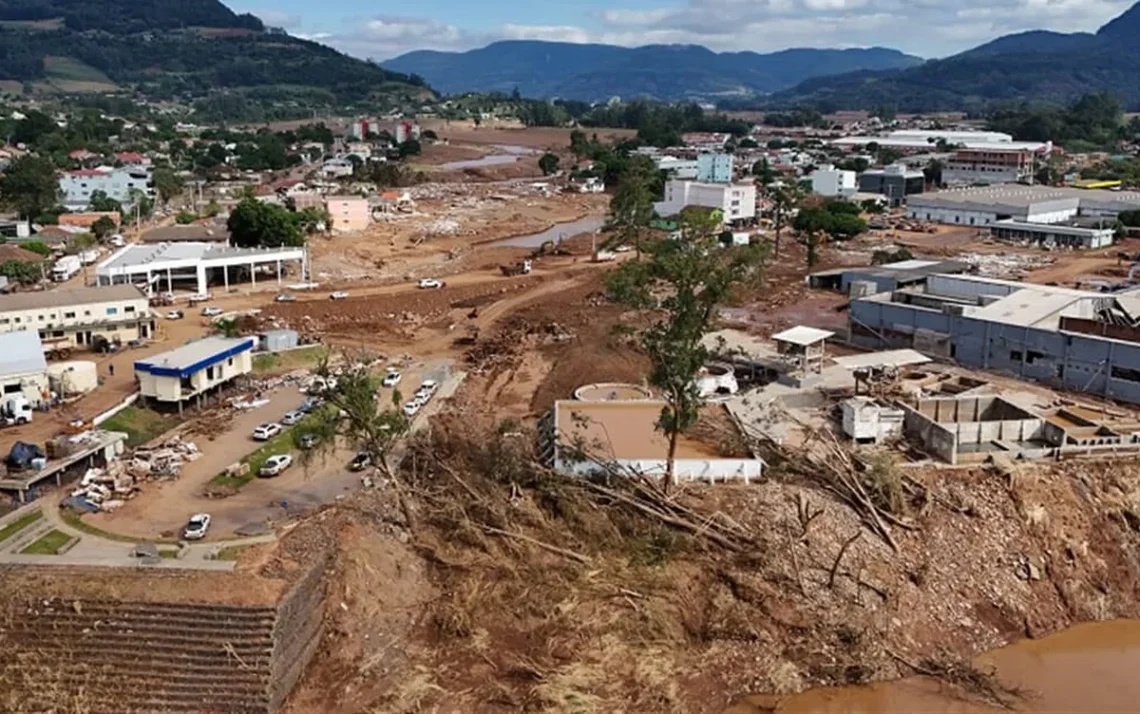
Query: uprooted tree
[686, 281]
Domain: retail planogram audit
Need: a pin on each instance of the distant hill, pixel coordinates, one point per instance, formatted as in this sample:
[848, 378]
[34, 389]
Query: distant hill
[1037, 65]
[172, 48]
[592, 72]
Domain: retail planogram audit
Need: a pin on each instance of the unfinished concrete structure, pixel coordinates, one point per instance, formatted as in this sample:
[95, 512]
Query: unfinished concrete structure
[803, 352]
[869, 421]
[974, 429]
[1071, 339]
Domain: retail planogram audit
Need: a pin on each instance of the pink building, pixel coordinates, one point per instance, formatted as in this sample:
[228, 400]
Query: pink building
[348, 213]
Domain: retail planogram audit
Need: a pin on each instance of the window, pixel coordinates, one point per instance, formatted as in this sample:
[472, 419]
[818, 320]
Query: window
[87, 313]
[230, 362]
[1015, 356]
[57, 333]
[209, 373]
[112, 311]
[11, 388]
[17, 321]
[129, 308]
[40, 317]
[4, 321]
[68, 315]
[1130, 375]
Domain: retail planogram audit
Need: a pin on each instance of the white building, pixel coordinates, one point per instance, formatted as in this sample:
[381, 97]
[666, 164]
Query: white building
[986, 205]
[336, 168]
[685, 169]
[23, 368]
[193, 370]
[925, 140]
[990, 166]
[737, 202]
[157, 267]
[77, 317]
[76, 187]
[832, 182]
[714, 168]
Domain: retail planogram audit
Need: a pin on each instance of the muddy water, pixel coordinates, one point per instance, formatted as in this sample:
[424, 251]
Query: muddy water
[510, 155]
[589, 224]
[1088, 669]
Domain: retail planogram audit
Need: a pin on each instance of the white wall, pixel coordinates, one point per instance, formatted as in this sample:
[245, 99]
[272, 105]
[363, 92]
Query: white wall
[952, 216]
[711, 470]
[833, 182]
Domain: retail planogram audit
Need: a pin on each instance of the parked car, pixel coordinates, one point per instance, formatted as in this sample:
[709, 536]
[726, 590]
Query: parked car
[286, 298]
[338, 295]
[392, 379]
[197, 526]
[266, 431]
[134, 344]
[310, 404]
[430, 284]
[412, 408]
[200, 297]
[175, 315]
[360, 462]
[275, 464]
[292, 418]
[211, 311]
[427, 389]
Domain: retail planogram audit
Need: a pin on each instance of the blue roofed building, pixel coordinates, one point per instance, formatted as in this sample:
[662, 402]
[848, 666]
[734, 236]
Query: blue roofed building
[194, 370]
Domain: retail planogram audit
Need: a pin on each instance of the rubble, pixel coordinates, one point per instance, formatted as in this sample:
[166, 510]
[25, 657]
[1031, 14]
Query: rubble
[1001, 265]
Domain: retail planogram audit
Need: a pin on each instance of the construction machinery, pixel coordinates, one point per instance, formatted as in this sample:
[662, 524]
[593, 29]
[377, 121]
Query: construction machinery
[520, 268]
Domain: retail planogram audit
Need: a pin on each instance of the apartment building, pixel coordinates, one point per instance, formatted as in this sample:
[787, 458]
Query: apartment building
[737, 202]
[834, 183]
[989, 166]
[348, 213]
[76, 187]
[76, 317]
[714, 168]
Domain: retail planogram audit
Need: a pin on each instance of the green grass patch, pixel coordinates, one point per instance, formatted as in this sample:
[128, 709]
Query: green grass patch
[168, 554]
[19, 524]
[49, 544]
[280, 444]
[231, 552]
[75, 520]
[69, 68]
[301, 358]
[140, 425]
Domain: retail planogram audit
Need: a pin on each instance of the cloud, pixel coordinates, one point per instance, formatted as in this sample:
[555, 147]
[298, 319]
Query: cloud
[928, 28]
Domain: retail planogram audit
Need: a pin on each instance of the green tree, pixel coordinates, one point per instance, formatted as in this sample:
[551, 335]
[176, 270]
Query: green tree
[411, 147]
[685, 284]
[103, 203]
[212, 209]
[785, 199]
[579, 145]
[103, 227]
[313, 219]
[548, 163]
[762, 170]
[631, 207]
[812, 224]
[37, 246]
[185, 218]
[167, 183]
[18, 271]
[254, 224]
[29, 187]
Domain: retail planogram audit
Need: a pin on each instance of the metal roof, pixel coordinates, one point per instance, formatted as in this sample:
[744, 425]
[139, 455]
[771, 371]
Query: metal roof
[21, 352]
[895, 358]
[190, 358]
[65, 297]
[140, 256]
[802, 335]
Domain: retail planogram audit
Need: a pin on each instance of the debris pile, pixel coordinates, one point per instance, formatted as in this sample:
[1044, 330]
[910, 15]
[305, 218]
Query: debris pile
[504, 348]
[105, 489]
[164, 461]
[1001, 265]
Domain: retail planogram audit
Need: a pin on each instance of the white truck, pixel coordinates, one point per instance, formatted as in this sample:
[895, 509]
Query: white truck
[88, 257]
[66, 267]
[15, 409]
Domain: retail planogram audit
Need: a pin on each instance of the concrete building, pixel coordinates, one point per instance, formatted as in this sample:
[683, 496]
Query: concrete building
[1083, 234]
[15, 229]
[348, 213]
[361, 128]
[76, 317]
[194, 370]
[1072, 339]
[990, 166]
[714, 168]
[869, 421]
[975, 429]
[683, 169]
[737, 202]
[986, 205]
[76, 187]
[157, 267]
[336, 168]
[803, 350]
[833, 183]
[912, 140]
[624, 434]
[873, 279]
[23, 368]
[896, 182]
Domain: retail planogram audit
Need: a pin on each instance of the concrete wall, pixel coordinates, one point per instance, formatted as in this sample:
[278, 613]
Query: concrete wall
[296, 632]
[711, 470]
[935, 438]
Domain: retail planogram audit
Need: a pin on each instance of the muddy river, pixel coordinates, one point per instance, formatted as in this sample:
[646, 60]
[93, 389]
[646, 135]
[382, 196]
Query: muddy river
[510, 155]
[588, 224]
[1088, 669]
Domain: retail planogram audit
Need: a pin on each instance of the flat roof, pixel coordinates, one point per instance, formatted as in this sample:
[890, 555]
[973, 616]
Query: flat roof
[162, 255]
[1022, 196]
[922, 143]
[21, 352]
[802, 335]
[1029, 307]
[64, 297]
[195, 356]
[909, 264]
[892, 358]
[191, 233]
[1053, 228]
[621, 430]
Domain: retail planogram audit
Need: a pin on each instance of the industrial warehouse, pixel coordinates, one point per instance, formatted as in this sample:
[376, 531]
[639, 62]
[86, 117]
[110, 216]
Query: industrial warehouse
[159, 267]
[1074, 339]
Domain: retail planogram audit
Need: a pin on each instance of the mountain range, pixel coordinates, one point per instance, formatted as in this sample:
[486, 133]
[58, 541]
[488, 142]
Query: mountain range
[594, 72]
[1036, 65]
[173, 48]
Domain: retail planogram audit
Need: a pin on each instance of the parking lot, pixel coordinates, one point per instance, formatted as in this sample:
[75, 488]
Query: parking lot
[162, 508]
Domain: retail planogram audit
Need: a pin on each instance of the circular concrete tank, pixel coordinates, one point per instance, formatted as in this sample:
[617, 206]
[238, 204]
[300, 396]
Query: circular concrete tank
[611, 391]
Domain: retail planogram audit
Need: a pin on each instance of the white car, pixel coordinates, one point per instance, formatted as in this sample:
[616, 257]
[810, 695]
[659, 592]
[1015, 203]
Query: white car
[427, 389]
[430, 284]
[392, 379]
[285, 298]
[211, 311]
[200, 297]
[292, 418]
[175, 315]
[412, 408]
[275, 464]
[338, 295]
[197, 526]
[266, 431]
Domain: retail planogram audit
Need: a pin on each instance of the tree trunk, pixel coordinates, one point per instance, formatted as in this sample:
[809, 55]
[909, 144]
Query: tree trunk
[671, 463]
[779, 224]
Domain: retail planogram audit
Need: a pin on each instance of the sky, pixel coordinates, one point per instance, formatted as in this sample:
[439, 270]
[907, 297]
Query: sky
[927, 28]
